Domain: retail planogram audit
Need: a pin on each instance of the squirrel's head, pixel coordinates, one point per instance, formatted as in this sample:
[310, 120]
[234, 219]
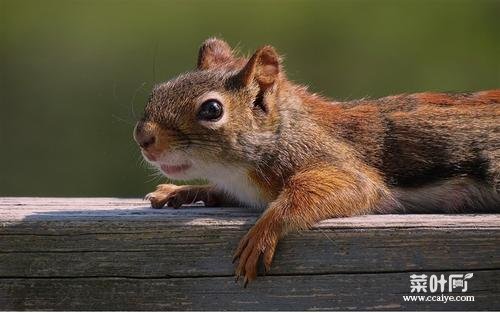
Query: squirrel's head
[222, 113]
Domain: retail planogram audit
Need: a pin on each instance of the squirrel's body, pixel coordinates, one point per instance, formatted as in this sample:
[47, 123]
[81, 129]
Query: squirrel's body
[263, 141]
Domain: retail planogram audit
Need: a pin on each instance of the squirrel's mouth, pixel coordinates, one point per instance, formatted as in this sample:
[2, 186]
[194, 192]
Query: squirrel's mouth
[174, 169]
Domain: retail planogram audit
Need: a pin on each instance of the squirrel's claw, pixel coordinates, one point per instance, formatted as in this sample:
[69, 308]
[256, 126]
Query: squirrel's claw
[156, 201]
[267, 258]
[251, 247]
[243, 243]
[165, 194]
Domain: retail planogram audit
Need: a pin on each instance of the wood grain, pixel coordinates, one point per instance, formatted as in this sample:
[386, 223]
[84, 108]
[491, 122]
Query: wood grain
[119, 254]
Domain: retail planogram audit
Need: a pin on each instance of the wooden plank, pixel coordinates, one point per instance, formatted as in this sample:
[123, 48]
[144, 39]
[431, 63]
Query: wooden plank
[54, 251]
[298, 292]
[208, 252]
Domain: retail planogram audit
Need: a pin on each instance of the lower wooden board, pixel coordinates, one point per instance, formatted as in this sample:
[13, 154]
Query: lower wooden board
[382, 291]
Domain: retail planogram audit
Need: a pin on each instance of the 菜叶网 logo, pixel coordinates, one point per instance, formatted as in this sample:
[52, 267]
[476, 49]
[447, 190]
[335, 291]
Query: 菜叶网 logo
[433, 283]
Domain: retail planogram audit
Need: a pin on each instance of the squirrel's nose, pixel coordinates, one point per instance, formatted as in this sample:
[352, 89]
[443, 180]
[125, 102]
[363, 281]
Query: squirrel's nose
[143, 135]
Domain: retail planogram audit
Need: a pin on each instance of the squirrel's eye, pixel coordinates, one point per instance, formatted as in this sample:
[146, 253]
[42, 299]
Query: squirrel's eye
[210, 110]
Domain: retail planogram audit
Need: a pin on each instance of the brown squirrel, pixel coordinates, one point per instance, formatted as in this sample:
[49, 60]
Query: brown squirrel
[264, 141]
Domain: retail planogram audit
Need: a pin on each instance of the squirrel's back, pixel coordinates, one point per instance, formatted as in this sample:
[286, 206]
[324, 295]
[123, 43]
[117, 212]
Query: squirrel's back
[436, 150]
[422, 138]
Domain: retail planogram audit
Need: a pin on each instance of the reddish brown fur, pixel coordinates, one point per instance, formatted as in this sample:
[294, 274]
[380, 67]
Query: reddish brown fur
[269, 185]
[312, 159]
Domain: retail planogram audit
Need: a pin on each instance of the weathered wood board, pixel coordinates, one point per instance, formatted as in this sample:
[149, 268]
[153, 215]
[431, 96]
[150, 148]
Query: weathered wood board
[119, 254]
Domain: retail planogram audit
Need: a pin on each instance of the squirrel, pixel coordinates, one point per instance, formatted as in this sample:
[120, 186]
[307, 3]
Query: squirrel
[264, 141]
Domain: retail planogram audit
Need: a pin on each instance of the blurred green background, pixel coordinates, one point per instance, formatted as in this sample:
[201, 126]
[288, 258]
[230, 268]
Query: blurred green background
[75, 74]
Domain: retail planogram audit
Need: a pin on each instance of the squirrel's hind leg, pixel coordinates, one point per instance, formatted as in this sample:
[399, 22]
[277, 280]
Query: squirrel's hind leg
[455, 195]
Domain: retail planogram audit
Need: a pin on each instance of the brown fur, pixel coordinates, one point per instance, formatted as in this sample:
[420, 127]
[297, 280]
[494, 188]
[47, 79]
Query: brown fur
[312, 159]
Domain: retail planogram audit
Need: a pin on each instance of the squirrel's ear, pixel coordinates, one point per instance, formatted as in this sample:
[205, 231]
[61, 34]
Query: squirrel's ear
[214, 52]
[263, 67]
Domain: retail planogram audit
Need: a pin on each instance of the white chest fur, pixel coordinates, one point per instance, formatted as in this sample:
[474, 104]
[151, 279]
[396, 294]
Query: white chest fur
[235, 182]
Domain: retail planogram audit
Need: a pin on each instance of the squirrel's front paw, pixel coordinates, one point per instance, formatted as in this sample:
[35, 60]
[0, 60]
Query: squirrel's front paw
[258, 241]
[171, 195]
